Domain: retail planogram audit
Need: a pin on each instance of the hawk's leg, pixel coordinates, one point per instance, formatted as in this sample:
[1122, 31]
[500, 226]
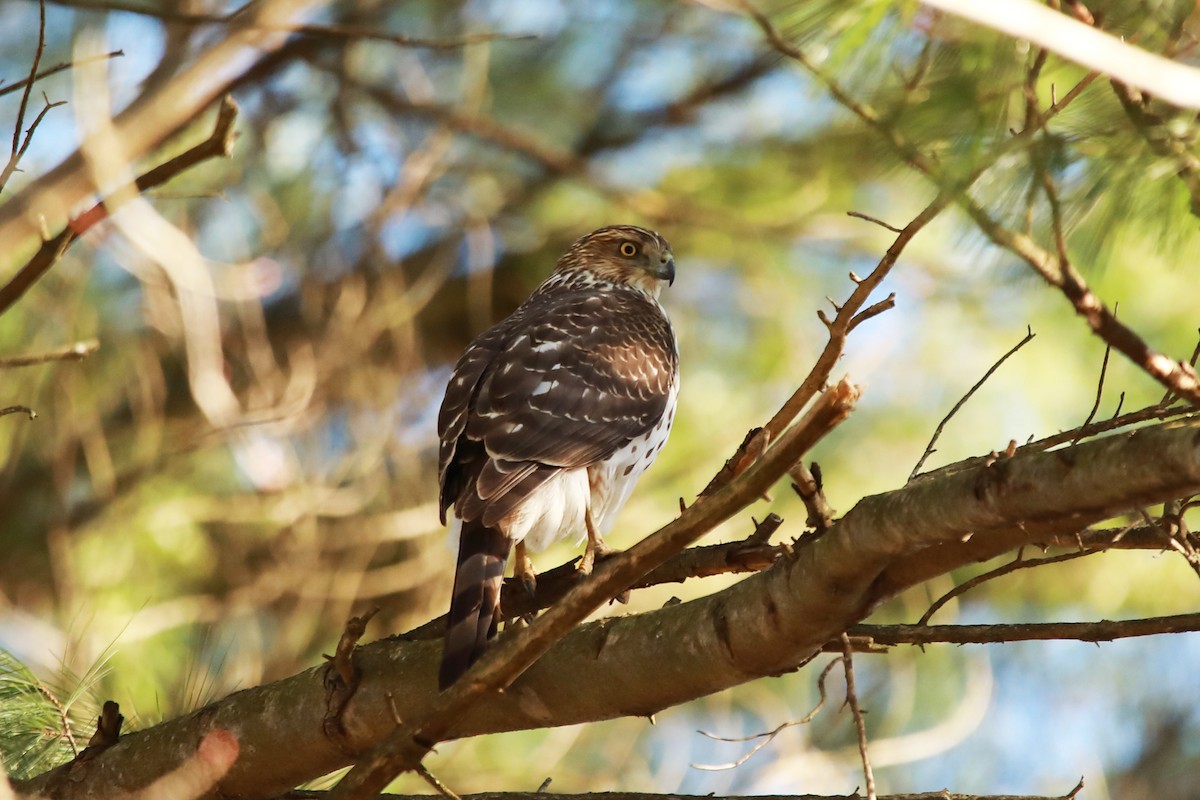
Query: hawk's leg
[596, 546]
[523, 570]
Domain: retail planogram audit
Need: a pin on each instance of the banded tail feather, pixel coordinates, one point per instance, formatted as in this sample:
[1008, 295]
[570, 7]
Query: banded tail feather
[475, 604]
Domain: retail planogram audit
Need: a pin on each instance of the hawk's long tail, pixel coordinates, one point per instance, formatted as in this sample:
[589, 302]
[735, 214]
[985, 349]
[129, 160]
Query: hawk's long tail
[475, 604]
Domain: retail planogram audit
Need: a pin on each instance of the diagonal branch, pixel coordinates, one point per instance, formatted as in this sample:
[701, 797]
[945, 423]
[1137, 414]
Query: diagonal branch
[1178, 84]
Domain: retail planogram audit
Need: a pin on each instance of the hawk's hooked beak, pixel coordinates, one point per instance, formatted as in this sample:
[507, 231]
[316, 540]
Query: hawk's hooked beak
[666, 271]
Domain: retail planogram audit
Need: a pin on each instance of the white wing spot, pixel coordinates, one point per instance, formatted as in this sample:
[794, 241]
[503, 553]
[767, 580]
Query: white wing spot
[546, 347]
[544, 387]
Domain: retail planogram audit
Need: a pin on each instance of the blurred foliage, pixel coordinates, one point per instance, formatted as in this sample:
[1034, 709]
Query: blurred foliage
[384, 204]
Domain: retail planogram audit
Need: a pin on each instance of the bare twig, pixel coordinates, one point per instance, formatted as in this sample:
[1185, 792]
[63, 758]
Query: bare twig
[1018, 563]
[1102, 631]
[767, 737]
[876, 220]
[929, 448]
[18, 410]
[846, 318]
[74, 352]
[1099, 392]
[19, 148]
[17, 155]
[68, 731]
[37, 60]
[859, 724]
[21, 84]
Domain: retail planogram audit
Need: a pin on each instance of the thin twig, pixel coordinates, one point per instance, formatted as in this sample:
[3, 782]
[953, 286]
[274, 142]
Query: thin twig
[876, 220]
[12, 87]
[435, 783]
[1099, 392]
[766, 737]
[1002, 633]
[68, 731]
[859, 725]
[846, 318]
[929, 449]
[74, 352]
[37, 60]
[18, 410]
[1018, 563]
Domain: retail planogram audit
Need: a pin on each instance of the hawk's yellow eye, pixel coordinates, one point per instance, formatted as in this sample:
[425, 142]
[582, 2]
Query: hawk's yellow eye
[628, 249]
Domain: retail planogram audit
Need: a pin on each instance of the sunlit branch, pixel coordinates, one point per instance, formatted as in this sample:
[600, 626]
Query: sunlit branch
[1176, 83]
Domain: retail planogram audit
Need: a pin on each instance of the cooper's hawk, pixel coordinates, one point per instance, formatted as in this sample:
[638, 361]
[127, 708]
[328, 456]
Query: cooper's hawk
[550, 418]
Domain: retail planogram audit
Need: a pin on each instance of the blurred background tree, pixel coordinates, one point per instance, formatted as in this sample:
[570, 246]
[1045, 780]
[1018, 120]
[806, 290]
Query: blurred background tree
[205, 499]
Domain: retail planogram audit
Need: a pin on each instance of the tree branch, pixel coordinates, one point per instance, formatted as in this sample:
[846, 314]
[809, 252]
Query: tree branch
[1102, 631]
[764, 625]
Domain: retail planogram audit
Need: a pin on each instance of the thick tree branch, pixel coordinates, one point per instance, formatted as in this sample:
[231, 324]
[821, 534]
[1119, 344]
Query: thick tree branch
[765, 625]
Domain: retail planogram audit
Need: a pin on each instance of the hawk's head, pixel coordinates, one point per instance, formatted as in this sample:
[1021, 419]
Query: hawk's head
[622, 254]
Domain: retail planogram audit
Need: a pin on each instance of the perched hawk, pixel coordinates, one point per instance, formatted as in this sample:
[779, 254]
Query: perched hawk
[550, 418]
